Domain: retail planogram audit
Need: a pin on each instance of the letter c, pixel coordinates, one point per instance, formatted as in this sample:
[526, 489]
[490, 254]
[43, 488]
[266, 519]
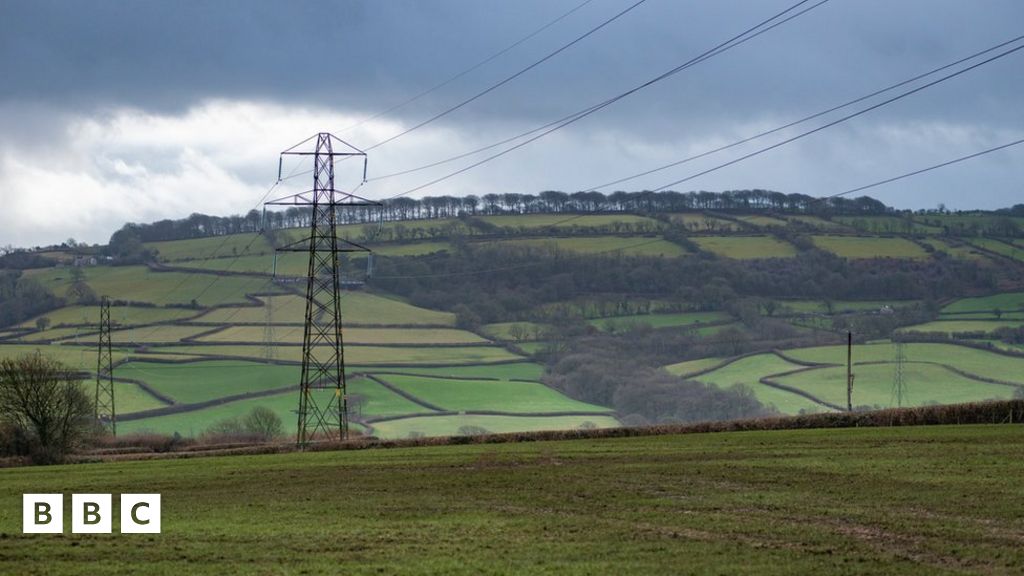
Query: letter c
[135, 517]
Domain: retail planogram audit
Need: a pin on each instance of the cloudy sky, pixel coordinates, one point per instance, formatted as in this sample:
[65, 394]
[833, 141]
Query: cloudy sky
[135, 111]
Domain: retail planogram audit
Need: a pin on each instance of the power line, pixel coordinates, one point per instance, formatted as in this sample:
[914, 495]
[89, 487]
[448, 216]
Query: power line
[805, 118]
[928, 169]
[741, 38]
[508, 79]
[468, 70]
[840, 120]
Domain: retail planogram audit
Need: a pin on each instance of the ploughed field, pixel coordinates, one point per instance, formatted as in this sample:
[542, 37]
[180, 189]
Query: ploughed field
[925, 500]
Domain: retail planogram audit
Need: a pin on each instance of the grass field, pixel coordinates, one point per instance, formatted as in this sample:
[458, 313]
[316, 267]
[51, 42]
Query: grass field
[691, 366]
[748, 371]
[516, 371]
[376, 400]
[949, 326]
[293, 334]
[129, 397]
[1003, 248]
[762, 221]
[928, 500]
[1004, 302]
[958, 250]
[356, 308]
[201, 381]
[477, 395]
[139, 284]
[983, 316]
[659, 320]
[533, 221]
[870, 247]
[625, 245]
[925, 384]
[816, 222]
[970, 360]
[886, 224]
[123, 315]
[746, 247]
[377, 355]
[697, 222]
[198, 249]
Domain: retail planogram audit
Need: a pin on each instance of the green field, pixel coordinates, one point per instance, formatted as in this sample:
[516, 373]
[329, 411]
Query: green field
[696, 222]
[762, 221]
[477, 395]
[356, 308]
[199, 249]
[451, 425]
[378, 355]
[928, 500]
[625, 245]
[970, 360]
[870, 247]
[958, 250]
[511, 371]
[746, 247]
[691, 366]
[925, 384]
[200, 381]
[129, 397]
[534, 221]
[659, 320]
[816, 222]
[123, 315]
[139, 284]
[374, 400]
[293, 334]
[748, 371]
[949, 326]
[1006, 301]
[886, 225]
[1003, 248]
[983, 316]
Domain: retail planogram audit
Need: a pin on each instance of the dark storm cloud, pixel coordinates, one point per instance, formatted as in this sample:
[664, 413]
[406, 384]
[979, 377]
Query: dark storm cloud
[362, 55]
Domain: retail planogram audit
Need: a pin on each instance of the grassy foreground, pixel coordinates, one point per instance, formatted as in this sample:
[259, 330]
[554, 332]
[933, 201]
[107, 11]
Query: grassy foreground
[924, 500]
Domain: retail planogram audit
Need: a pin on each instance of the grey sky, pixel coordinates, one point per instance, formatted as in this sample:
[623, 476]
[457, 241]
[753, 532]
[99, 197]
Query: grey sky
[142, 110]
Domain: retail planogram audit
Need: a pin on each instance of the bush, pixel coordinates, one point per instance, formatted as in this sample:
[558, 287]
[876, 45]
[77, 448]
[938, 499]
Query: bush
[264, 422]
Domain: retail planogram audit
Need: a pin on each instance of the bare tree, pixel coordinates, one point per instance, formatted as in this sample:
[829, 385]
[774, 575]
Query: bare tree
[46, 400]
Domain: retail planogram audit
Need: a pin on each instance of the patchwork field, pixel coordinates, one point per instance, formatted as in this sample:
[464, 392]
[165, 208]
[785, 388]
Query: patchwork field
[1005, 302]
[630, 246]
[1007, 249]
[869, 247]
[696, 222]
[746, 247]
[949, 326]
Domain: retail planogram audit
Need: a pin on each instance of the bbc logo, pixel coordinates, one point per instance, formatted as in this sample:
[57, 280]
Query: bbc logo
[90, 513]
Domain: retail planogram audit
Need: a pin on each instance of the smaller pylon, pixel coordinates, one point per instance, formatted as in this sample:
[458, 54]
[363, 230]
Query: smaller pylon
[899, 384]
[268, 329]
[105, 411]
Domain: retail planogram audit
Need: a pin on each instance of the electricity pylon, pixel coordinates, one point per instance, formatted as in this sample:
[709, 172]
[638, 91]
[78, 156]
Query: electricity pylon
[323, 400]
[899, 385]
[105, 411]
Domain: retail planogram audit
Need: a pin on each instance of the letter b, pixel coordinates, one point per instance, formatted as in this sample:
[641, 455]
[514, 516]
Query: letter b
[42, 513]
[91, 513]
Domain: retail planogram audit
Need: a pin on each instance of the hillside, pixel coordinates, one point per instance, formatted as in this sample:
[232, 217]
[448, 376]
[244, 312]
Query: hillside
[489, 322]
[919, 500]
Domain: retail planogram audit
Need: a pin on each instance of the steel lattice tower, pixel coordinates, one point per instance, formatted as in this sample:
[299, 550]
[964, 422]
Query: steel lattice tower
[899, 385]
[105, 411]
[323, 402]
[268, 329]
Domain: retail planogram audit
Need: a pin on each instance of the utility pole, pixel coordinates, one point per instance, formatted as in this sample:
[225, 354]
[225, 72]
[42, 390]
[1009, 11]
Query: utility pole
[323, 399]
[899, 386]
[105, 411]
[849, 371]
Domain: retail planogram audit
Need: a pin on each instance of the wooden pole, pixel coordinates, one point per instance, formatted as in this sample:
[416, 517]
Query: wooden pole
[849, 371]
